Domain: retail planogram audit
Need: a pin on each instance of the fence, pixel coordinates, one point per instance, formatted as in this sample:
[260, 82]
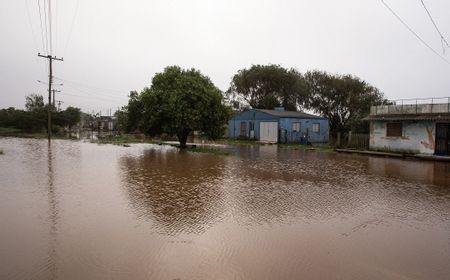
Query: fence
[358, 141]
[413, 106]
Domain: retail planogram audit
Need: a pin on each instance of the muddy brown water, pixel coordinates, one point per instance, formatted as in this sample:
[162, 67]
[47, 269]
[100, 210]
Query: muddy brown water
[76, 210]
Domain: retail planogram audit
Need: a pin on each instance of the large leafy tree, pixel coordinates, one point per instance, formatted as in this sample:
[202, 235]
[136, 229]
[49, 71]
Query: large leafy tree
[180, 102]
[268, 86]
[34, 102]
[344, 99]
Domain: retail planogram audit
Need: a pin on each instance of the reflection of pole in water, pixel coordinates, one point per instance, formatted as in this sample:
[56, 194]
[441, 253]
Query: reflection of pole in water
[53, 217]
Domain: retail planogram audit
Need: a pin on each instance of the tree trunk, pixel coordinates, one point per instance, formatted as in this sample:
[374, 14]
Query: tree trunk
[182, 138]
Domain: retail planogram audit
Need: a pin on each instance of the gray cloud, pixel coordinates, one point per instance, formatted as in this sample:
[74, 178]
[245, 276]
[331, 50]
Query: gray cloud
[117, 46]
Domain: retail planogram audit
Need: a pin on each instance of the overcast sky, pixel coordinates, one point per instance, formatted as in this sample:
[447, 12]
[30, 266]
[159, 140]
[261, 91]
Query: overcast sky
[111, 47]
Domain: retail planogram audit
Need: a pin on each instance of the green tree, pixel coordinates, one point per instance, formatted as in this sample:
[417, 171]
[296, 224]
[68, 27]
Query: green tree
[180, 102]
[344, 99]
[134, 111]
[268, 86]
[122, 119]
[71, 116]
[34, 102]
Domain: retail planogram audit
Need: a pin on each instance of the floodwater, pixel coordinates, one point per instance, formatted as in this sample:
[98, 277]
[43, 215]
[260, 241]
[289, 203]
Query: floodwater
[76, 210]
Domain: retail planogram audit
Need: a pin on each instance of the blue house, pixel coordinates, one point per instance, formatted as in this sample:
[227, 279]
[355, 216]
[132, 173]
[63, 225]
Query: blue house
[279, 126]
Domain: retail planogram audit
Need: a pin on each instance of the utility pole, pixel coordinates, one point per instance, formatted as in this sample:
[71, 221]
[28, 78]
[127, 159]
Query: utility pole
[50, 80]
[54, 90]
[59, 104]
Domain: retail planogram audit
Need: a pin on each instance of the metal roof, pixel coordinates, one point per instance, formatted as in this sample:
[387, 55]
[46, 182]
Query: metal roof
[289, 114]
[410, 117]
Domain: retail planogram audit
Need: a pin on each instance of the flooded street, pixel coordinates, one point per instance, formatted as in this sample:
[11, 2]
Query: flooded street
[76, 210]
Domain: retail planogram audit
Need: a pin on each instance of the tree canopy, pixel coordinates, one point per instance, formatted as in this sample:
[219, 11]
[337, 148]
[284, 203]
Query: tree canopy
[268, 86]
[34, 118]
[344, 99]
[178, 103]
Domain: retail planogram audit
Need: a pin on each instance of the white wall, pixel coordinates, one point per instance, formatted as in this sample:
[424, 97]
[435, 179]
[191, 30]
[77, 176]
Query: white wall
[417, 137]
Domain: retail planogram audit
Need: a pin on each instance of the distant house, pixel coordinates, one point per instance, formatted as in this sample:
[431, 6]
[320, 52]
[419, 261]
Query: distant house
[279, 126]
[411, 128]
[105, 123]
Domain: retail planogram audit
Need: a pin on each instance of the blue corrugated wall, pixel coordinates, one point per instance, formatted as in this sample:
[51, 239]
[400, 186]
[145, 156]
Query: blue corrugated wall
[284, 125]
[306, 127]
[234, 125]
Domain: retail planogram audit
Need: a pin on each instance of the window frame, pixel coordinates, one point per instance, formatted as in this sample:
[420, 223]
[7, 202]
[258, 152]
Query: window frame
[243, 129]
[294, 124]
[318, 127]
[394, 129]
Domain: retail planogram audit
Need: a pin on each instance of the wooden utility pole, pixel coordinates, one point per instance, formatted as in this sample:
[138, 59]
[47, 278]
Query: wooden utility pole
[54, 90]
[59, 104]
[50, 81]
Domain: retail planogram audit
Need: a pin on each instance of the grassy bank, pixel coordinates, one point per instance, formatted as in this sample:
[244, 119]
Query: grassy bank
[125, 139]
[19, 133]
[244, 142]
[320, 148]
[209, 150]
[14, 132]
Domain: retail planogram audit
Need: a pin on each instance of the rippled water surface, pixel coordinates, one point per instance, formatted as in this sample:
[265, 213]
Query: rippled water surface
[77, 210]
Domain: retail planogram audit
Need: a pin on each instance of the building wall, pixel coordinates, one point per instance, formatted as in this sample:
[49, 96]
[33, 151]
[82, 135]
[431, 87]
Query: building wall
[234, 126]
[306, 127]
[417, 137]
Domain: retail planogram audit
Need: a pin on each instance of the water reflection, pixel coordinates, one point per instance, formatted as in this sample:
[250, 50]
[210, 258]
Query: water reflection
[177, 191]
[77, 210]
[437, 173]
[53, 215]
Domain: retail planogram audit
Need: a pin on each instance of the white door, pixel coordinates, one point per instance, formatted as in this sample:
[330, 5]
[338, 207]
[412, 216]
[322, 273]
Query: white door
[268, 132]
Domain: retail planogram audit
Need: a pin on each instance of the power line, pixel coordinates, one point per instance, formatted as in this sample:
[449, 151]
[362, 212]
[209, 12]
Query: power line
[50, 26]
[71, 26]
[88, 97]
[42, 27]
[46, 28]
[118, 98]
[443, 40]
[31, 26]
[413, 32]
[89, 86]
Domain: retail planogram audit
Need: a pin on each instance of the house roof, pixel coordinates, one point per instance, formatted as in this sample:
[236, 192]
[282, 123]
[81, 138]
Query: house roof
[289, 114]
[410, 117]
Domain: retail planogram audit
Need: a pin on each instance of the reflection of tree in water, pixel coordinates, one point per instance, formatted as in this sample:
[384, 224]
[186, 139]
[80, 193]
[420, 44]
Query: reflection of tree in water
[177, 191]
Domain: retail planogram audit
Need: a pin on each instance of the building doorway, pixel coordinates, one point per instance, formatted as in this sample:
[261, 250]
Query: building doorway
[442, 139]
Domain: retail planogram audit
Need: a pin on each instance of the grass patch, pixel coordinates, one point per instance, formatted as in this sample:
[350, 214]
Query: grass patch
[125, 139]
[15, 132]
[320, 148]
[244, 142]
[209, 150]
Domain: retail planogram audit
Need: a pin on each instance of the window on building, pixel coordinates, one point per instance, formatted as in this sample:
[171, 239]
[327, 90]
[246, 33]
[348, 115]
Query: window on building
[316, 127]
[243, 129]
[296, 127]
[394, 129]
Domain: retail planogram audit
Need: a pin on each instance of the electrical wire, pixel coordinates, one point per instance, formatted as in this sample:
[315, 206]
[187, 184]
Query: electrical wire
[50, 26]
[88, 97]
[443, 40]
[71, 26]
[89, 86]
[118, 98]
[31, 26]
[413, 32]
[42, 27]
[46, 27]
